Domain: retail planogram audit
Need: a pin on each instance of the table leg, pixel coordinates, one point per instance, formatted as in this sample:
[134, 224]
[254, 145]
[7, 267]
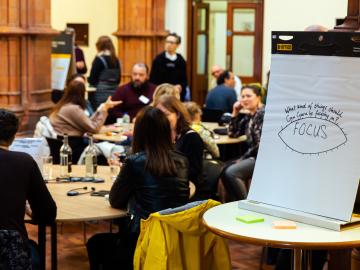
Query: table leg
[339, 259]
[301, 259]
[42, 245]
[54, 246]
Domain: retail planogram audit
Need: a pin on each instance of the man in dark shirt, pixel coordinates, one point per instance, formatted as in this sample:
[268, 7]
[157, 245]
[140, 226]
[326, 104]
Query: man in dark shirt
[20, 181]
[134, 95]
[169, 66]
[223, 96]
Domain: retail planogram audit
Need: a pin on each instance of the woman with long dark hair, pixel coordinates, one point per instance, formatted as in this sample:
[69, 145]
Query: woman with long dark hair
[153, 178]
[186, 140]
[105, 72]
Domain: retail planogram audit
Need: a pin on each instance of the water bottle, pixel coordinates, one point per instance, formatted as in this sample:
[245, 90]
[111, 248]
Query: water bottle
[126, 122]
[65, 158]
[90, 159]
[126, 118]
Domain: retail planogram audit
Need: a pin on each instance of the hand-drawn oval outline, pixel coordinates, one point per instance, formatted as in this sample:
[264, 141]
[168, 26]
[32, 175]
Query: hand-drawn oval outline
[313, 153]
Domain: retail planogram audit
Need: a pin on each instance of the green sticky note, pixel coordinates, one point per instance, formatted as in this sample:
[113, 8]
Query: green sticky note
[249, 219]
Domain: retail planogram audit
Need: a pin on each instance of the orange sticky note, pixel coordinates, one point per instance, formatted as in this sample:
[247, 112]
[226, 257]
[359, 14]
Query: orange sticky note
[284, 224]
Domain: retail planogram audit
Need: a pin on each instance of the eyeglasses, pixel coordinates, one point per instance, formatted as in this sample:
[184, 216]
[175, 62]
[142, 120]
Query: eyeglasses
[215, 72]
[170, 42]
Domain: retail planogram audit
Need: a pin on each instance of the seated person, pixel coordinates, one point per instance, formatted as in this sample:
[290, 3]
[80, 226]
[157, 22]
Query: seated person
[237, 173]
[216, 70]
[21, 181]
[166, 89]
[154, 177]
[187, 141]
[68, 115]
[206, 135]
[223, 96]
[134, 95]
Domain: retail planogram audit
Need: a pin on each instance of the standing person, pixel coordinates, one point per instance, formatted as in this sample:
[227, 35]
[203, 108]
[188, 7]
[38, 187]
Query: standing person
[105, 72]
[154, 177]
[216, 70]
[134, 95]
[169, 66]
[187, 141]
[223, 96]
[21, 181]
[80, 63]
[236, 175]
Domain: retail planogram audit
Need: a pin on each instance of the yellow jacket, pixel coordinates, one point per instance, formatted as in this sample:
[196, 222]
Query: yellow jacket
[180, 241]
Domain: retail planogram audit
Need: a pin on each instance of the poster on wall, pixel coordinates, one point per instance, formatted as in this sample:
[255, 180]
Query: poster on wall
[308, 158]
[62, 50]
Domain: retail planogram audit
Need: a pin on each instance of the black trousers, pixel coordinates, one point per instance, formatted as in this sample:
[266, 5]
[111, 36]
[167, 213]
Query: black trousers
[235, 176]
[108, 251]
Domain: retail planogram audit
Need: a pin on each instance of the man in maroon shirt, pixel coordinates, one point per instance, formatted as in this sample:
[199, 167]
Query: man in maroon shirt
[134, 95]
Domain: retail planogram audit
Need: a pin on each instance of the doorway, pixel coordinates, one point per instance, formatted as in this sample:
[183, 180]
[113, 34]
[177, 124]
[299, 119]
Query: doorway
[224, 32]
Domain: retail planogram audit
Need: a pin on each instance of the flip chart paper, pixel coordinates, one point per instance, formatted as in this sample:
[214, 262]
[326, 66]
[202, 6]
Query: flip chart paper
[309, 154]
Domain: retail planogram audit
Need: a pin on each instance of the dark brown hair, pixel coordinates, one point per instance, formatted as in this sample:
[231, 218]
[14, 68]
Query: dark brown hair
[254, 88]
[104, 43]
[152, 135]
[74, 93]
[173, 34]
[9, 124]
[172, 104]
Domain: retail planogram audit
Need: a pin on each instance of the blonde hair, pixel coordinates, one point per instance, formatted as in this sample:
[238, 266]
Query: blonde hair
[193, 108]
[165, 89]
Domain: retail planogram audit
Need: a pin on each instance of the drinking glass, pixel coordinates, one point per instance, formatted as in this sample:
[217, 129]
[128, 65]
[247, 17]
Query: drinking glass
[47, 163]
[114, 163]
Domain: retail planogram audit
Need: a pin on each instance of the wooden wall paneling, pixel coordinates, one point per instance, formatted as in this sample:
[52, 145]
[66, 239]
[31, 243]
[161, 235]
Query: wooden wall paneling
[25, 50]
[140, 33]
[4, 72]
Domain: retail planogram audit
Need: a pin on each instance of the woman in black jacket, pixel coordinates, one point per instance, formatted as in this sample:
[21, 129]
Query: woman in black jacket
[187, 141]
[153, 178]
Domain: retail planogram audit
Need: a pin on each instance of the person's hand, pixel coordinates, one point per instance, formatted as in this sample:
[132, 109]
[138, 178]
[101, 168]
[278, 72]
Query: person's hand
[178, 86]
[109, 104]
[236, 108]
[28, 210]
[80, 64]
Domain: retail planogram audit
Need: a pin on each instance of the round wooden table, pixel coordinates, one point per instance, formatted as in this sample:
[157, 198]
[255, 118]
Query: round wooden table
[223, 139]
[118, 137]
[76, 208]
[222, 221]
[83, 207]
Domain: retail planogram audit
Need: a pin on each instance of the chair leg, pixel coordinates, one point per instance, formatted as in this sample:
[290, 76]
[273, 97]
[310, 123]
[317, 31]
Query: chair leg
[84, 232]
[263, 257]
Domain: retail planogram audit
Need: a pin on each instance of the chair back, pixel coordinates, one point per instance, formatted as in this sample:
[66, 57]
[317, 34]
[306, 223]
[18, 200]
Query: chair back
[211, 173]
[211, 115]
[77, 145]
[178, 239]
[54, 145]
[13, 255]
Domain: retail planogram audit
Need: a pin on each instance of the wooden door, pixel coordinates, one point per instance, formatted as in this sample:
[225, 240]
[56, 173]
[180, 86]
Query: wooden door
[244, 40]
[200, 51]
